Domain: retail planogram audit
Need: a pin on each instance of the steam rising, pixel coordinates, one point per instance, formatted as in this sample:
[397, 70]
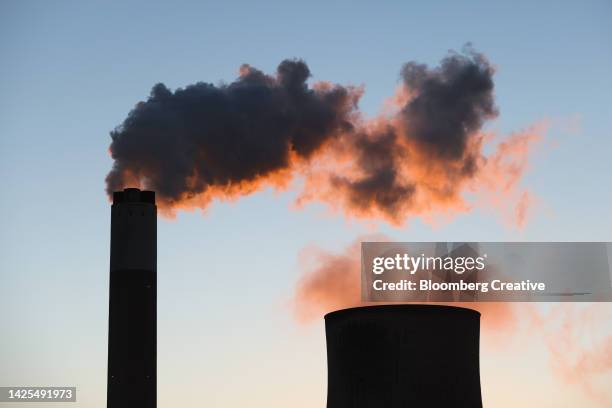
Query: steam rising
[578, 336]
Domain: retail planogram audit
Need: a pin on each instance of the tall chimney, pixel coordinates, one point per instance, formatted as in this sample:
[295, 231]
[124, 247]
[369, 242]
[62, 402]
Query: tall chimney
[404, 356]
[132, 329]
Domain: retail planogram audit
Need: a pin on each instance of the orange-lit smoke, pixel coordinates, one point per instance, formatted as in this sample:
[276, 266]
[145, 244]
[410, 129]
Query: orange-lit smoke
[332, 281]
[422, 185]
[329, 282]
[426, 155]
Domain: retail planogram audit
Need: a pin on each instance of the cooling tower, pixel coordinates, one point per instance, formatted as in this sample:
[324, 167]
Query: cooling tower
[404, 356]
[132, 334]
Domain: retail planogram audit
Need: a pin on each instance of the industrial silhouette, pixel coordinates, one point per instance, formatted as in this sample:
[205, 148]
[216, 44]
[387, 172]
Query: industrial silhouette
[388, 356]
[132, 334]
[404, 356]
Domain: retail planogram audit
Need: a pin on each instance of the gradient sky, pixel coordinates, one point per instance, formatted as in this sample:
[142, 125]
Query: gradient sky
[70, 73]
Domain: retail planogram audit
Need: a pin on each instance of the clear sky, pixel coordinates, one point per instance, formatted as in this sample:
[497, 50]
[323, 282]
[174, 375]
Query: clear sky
[70, 73]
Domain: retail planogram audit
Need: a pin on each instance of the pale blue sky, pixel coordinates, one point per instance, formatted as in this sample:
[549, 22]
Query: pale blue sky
[71, 71]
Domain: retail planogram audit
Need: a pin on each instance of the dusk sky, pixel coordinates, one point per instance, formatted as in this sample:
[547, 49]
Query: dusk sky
[70, 74]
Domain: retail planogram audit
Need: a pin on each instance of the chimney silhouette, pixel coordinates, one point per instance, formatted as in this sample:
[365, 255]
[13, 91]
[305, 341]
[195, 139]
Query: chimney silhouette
[404, 356]
[132, 329]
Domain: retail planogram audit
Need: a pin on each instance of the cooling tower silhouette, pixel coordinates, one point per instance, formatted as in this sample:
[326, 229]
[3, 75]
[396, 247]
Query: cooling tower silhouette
[132, 334]
[404, 356]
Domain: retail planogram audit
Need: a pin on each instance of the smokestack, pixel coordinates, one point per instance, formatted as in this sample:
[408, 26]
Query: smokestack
[132, 334]
[396, 356]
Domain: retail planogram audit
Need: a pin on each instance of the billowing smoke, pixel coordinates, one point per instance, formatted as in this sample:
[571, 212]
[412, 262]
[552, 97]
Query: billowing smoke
[218, 141]
[450, 104]
[205, 138]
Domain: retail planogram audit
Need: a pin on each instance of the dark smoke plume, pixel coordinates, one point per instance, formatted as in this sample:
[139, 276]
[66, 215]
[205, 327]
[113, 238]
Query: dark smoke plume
[431, 131]
[184, 142]
[216, 141]
[450, 104]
